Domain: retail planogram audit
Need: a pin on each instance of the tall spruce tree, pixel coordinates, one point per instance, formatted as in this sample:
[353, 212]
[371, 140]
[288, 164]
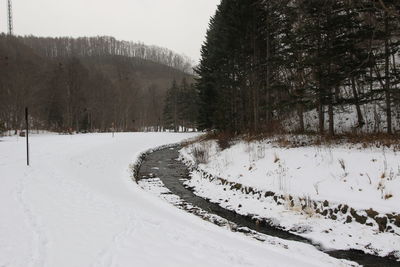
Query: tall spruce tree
[265, 59]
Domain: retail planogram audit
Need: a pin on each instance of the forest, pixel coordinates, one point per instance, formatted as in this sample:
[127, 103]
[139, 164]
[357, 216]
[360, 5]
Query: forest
[265, 61]
[266, 66]
[86, 84]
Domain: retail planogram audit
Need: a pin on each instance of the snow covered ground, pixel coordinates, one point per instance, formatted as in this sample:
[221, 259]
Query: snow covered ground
[362, 178]
[346, 121]
[77, 206]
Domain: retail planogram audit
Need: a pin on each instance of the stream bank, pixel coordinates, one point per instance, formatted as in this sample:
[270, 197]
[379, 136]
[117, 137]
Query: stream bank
[163, 165]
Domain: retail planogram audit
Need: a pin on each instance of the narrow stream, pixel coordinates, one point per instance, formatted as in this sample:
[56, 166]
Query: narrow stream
[163, 164]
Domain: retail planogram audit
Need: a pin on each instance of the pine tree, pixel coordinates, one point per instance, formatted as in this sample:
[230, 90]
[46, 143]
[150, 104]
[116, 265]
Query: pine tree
[264, 59]
[170, 115]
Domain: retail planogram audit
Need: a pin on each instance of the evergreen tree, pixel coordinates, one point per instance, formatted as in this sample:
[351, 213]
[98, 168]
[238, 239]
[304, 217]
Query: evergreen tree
[181, 107]
[171, 108]
[264, 59]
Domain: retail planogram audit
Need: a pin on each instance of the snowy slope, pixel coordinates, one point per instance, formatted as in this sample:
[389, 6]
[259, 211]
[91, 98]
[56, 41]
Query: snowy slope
[346, 119]
[77, 206]
[360, 178]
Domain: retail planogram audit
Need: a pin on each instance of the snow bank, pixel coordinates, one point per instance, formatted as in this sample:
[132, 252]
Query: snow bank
[283, 184]
[362, 178]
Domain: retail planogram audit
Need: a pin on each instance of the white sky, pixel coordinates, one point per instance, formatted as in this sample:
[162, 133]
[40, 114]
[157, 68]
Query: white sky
[176, 24]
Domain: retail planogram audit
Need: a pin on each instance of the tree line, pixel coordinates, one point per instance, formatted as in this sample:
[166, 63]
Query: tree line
[266, 60]
[80, 90]
[105, 46]
[181, 107]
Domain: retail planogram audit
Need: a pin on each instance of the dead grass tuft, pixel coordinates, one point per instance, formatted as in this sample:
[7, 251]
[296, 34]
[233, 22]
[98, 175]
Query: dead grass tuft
[201, 155]
[388, 196]
[276, 158]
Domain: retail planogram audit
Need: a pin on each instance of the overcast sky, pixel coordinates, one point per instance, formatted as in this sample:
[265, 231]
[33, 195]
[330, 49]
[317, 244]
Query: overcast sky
[176, 24]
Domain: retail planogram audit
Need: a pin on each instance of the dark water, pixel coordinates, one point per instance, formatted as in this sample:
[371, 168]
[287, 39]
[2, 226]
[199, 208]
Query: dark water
[171, 172]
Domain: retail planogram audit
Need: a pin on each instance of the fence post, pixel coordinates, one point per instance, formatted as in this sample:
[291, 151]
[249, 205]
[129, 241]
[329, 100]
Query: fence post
[27, 136]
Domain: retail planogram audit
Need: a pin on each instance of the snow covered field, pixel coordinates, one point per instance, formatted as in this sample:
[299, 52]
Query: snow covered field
[77, 206]
[361, 178]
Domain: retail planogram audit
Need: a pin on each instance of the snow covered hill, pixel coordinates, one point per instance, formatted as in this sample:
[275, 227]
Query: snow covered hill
[77, 206]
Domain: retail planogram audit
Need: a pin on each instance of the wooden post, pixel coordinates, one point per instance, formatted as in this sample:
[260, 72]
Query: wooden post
[27, 136]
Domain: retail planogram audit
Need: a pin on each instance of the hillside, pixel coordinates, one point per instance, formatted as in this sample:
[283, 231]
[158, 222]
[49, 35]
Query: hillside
[81, 91]
[105, 46]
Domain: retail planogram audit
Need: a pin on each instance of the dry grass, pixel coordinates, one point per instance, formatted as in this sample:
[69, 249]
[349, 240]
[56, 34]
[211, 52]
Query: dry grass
[224, 140]
[363, 141]
[276, 158]
[388, 196]
[201, 154]
[293, 140]
[342, 164]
